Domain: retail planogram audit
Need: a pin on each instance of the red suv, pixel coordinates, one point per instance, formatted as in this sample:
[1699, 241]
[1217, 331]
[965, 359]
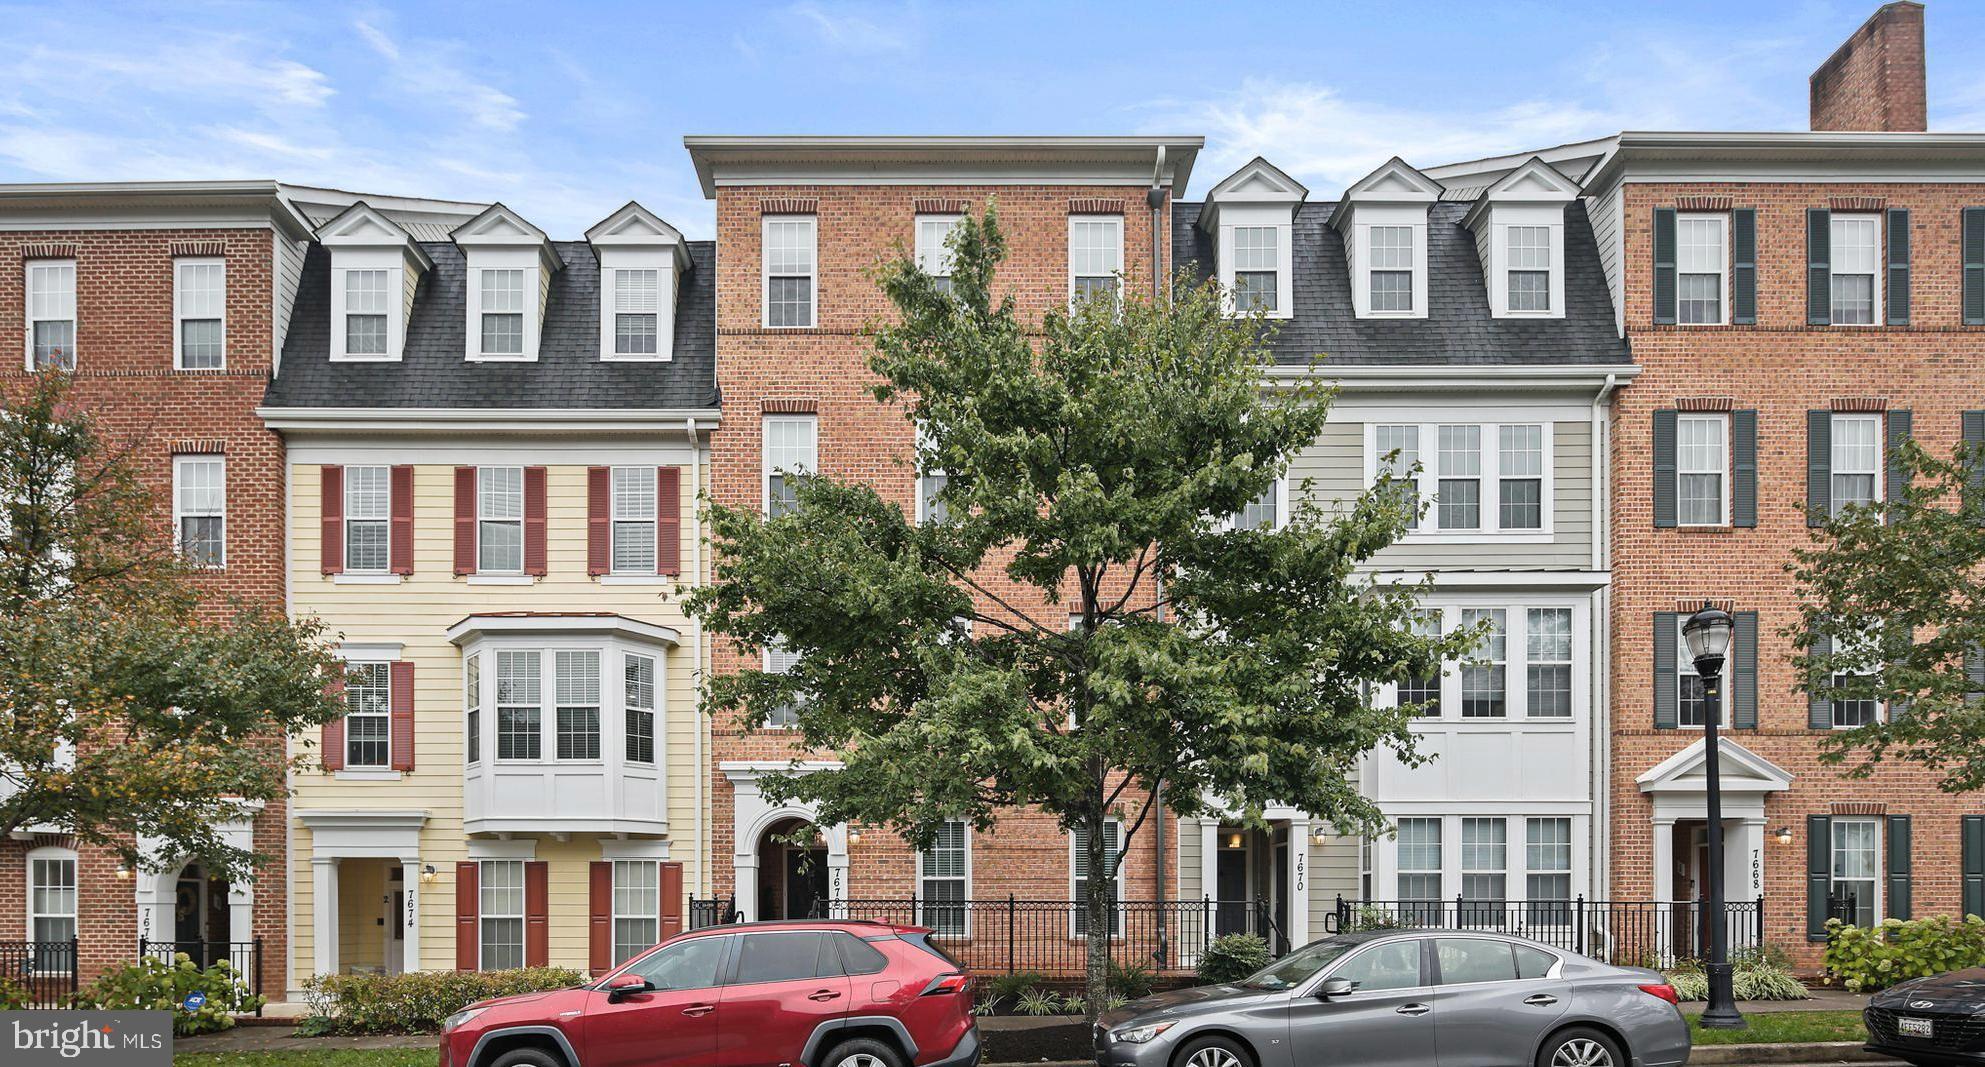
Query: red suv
[829, 993]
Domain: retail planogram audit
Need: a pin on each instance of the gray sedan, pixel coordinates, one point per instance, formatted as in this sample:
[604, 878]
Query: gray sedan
[1409, 998]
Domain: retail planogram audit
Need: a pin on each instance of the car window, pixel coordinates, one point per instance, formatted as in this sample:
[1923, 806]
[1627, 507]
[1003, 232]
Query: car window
[1533, 962]
[857, 956]
[1296, 968]
[1468, 959]
[780, 957]
[1393, 965]
[691, 964]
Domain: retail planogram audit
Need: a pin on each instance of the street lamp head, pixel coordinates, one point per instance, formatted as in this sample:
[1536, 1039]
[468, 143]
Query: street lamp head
[1708, 635]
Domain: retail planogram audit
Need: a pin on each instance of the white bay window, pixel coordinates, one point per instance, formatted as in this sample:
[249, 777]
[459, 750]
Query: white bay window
[1485, 481]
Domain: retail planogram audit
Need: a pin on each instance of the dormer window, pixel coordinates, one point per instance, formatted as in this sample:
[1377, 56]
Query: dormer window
[634, 303]
[1256, 268]
[1383, 220]
[510, 263]
[366, 311]
[375, 265]
[1252, 215]
[503, 312]
[1529, 268]
[1392, 268]
[1519, 227]
[640, 259]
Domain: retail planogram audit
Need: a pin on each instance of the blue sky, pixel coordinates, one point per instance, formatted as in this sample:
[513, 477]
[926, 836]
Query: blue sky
[566, 116]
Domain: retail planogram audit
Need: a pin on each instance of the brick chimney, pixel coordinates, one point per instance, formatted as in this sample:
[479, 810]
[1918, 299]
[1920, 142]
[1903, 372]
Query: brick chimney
[1875, 80]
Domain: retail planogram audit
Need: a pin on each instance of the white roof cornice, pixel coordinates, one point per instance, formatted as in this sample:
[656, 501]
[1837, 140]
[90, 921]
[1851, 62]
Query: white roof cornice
[500, 227]
[1394, 182]
[1039, 160]
[634, 226]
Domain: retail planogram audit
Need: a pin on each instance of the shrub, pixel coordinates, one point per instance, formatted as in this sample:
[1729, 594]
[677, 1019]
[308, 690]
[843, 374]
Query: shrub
[154, 984]
[1074, 1004]
[12, 997]
[1132, 982]
[1689, 985]
[1864, 959]
[1014, 986]
[1232, 958]
[1038, 1002]
[415, 1003]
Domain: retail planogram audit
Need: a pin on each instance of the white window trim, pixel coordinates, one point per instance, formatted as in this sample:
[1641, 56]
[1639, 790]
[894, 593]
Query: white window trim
[765, 664]
[1516, 884]
[927, 256]
[351, 662]
[1724, 704]
[613, 906]
[1551, 221]
[521, 520]
[522, 916]
[59, 854]
[1880, 419]
[1427, 482]
[1723, 418]
[526, 261]
[1123, 874]
[613, 699]
[28, 318]
[613, 523]
[612, 262]
[924, 901]
[367, 572]
[765, 224]
[179, 514]
[1412, 218]
[1114, 220]
[658, 663]
[1881, 860]
[766, 470]
[1722, 221]
[179, 312]
[472, 701]
[343, 262]
[1516, 668]
[1281, 519]
[1238, 216]
[1876, 311]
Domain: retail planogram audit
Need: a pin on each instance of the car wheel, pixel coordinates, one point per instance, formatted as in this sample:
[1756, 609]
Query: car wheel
[1213, 1051]
[862, 1052]
[1580, 1047]
[528, 1057]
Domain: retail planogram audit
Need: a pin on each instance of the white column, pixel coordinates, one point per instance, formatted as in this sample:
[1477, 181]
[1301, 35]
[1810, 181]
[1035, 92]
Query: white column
[1299, 882]
[1744, 877]
[1209, 860]
[410, 888]
[324, 912]
[837, 866]
[1664, 881]
[744, 885]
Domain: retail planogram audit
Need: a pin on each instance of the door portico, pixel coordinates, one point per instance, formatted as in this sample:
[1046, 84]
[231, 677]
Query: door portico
[754, 815]
[1679, 793]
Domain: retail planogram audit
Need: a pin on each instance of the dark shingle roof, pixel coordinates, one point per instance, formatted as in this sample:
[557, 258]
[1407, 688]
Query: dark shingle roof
[568, 373]
[1458, 328]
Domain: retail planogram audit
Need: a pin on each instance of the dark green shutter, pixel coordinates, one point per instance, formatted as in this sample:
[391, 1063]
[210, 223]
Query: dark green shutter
[1898, 888]
[1666, 628]
[1819, 874]
[1744, 672]
[1819, 267]
[1898, 435]
[1664, 266]
[1819, 710]
[1744, 266]
[1819, 467]
[1898, 295]
[1974, 266]
[1664, 469]
[1974, 864]
[1974, 440]
[1744, 463]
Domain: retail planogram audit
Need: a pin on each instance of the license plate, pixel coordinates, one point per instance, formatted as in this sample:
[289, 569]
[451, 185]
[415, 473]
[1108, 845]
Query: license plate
[1913, 1027]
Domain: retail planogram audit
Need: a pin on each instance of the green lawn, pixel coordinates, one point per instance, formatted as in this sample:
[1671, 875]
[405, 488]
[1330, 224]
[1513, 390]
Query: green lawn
[356, 1057]
[1784, 1026]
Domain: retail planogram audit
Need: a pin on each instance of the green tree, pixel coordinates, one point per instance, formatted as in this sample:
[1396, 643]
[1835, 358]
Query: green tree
[1089, 465]
[127, 707]
[1893, 609]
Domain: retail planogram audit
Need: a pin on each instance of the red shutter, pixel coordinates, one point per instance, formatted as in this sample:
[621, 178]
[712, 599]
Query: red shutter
[401, 542]
[599, 520]
[468, 928]
[333, 754]
[599, 917]
[537, 924]
[400, 697]
[465, 520]
[671, 886]
[333, 512]
[668, 520]
[534, 521]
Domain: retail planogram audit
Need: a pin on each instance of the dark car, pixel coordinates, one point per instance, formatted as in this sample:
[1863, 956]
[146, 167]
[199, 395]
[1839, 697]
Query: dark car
[1930, 1021]
[812, 994]
[1406, 998]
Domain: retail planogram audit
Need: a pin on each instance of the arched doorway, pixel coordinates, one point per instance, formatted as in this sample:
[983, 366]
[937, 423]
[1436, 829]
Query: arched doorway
[792, 861]
[202, 919]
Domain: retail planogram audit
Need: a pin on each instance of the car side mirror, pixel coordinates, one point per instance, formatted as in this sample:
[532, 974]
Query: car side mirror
[1335, 987]
[623, 986]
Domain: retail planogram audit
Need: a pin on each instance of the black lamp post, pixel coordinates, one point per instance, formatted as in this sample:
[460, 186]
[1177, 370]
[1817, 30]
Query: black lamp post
[1708, 635]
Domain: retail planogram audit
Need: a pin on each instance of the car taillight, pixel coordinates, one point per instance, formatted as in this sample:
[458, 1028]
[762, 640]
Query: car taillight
[946, 983]
[1664, 991]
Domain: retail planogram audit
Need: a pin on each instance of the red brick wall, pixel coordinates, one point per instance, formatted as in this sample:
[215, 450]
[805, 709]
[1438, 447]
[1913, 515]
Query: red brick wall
[124, 374]
[1875, 80]
[1782, 368]
[1026, 854]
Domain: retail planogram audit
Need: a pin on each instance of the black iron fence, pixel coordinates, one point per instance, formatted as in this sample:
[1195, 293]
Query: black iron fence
[1627, 933]
[715, 911]
[44, 971]
[243, 957]
[1051, 936]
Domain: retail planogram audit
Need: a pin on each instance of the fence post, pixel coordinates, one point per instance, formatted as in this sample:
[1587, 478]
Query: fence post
[1578, 917]
[1760, 925]
[75, 965]
[1011, 919]
[258, 975]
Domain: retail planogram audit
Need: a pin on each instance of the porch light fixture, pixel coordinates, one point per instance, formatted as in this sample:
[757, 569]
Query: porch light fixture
[1784, 835]
[1234, 840]
[854, 836]
[123, 872]
[428, 874]
[1320, 836]
[1708, 635]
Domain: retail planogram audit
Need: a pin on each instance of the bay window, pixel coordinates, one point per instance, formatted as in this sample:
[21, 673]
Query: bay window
[640, 709]
[1539, 647]
[1485, 677]
[577, 684]
[1469, 462]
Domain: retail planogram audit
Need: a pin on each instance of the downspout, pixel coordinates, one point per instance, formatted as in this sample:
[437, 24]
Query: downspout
[703, 855]
[1602, 661]
[1155, 199]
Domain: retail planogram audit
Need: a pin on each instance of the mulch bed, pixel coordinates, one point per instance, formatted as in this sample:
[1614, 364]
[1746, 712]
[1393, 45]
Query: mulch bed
[1036, 1040]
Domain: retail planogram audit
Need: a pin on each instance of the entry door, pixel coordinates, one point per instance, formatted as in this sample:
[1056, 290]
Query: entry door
[1231, 885]
[806, 881]
[396, 925]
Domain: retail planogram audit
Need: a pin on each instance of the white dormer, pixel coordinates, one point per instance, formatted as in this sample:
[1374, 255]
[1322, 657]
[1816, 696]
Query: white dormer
[375, 265]
[641, 261]
[1252, 217]
[509, 263]
[1384, 222]
[1519, 226]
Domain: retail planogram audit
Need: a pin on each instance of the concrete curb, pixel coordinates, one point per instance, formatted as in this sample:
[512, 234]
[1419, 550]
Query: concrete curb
[1810, 1052]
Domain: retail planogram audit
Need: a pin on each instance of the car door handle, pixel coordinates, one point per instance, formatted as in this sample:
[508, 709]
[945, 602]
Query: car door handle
[824, 994]
[1412, 1009]
[697, 1011]
[1540, 1000]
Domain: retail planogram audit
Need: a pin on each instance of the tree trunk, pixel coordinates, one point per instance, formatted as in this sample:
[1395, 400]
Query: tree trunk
[1100, 912]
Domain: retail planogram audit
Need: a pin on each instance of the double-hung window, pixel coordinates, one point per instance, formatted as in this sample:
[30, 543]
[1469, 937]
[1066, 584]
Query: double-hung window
[501, 914]
[1701, 269]
[1483, 479]
[1257, 263]
[1702, 460]
[577, 684]
[503, 312]
[1485, 677]
[637, 907]
[500, 520]
[780, 660]
[636, 311]
[1520, 477]
[1855, 252]
[634, 520]
[1857, 460]
[368, 518]
[1424, 691]
[199, 298]
[933, 253]
[1484, 869]
[1529, 268]
[1864, 648]
[368, 715]
[51, 909]
[1263, 512]
[1392, 269]
[1398, 454]
[1460, 501]
[1691, 700]
[200, 508]
[640, 708]
[789, 452]
[1547, 869]
[51, 307]
[1856, 868]
[472, 707]
[1078, 858]
[519, 706]
[367, 303]
[942, 872]
[1095, 257]
[1548, 663]
[790, 252]
[1419, 852]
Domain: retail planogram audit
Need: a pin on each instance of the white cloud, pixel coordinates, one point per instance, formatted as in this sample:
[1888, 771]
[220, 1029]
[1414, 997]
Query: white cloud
[846, 31]
[225, 68]
[429, 72]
